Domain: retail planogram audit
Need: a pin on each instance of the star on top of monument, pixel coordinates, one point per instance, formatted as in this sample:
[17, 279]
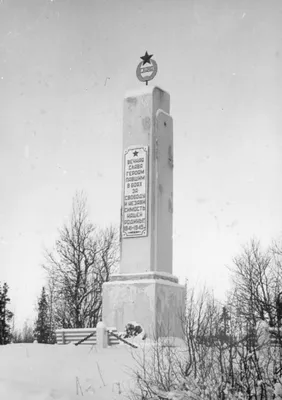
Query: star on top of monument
[146, 73]
[146, 58]
[135, 153]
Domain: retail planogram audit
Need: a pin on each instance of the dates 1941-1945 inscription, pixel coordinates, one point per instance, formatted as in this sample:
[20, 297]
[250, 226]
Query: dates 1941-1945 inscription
[135, 196]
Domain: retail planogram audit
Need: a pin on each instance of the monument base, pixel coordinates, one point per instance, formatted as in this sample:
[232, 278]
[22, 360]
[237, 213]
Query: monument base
[155, 303]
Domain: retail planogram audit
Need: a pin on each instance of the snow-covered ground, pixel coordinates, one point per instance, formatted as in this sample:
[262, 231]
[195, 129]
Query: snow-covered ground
[48, 372]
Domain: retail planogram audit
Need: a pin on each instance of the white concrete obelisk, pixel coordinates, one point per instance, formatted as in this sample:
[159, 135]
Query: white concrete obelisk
[145, 290]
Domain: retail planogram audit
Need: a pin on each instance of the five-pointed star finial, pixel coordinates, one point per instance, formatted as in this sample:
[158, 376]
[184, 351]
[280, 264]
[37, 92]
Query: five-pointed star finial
[146, 73]
[146, 58]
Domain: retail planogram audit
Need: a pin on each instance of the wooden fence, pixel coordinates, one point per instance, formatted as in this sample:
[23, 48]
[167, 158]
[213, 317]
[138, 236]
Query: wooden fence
[66, 336]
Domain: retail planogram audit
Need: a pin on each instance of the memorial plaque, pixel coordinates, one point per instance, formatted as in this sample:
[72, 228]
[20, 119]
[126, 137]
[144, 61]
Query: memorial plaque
[135, 196]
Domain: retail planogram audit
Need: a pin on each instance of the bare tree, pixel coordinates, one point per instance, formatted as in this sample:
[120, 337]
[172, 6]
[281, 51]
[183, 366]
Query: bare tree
[256, 283]
[229, 350]
[220, 357]
[82, 260]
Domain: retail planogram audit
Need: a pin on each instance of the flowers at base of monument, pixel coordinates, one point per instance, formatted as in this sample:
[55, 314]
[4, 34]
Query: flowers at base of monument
[133, 329]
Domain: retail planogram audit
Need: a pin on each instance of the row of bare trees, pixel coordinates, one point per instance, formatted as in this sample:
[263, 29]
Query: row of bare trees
[228, 350]
[82, 260]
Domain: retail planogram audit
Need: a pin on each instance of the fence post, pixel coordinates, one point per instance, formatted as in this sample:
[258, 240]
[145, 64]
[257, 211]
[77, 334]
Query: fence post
[63, 337]
[101, 335]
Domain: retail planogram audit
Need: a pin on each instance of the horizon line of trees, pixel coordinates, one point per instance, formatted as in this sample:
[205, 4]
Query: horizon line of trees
[84, 257]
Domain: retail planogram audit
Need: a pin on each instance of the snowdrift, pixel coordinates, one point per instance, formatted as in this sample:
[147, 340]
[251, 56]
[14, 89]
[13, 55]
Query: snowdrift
[48, 372]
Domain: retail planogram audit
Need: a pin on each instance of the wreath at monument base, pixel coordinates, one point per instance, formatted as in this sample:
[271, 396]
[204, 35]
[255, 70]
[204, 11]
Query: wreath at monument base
[133, 329]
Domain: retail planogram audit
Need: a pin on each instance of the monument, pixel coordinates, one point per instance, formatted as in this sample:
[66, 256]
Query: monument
[145, 289]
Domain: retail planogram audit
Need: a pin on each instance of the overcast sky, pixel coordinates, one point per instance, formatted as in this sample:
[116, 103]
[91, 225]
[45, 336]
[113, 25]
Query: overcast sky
[65, 66]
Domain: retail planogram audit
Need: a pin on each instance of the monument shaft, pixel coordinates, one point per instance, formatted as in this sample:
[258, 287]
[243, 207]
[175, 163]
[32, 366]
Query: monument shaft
[146, 243]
